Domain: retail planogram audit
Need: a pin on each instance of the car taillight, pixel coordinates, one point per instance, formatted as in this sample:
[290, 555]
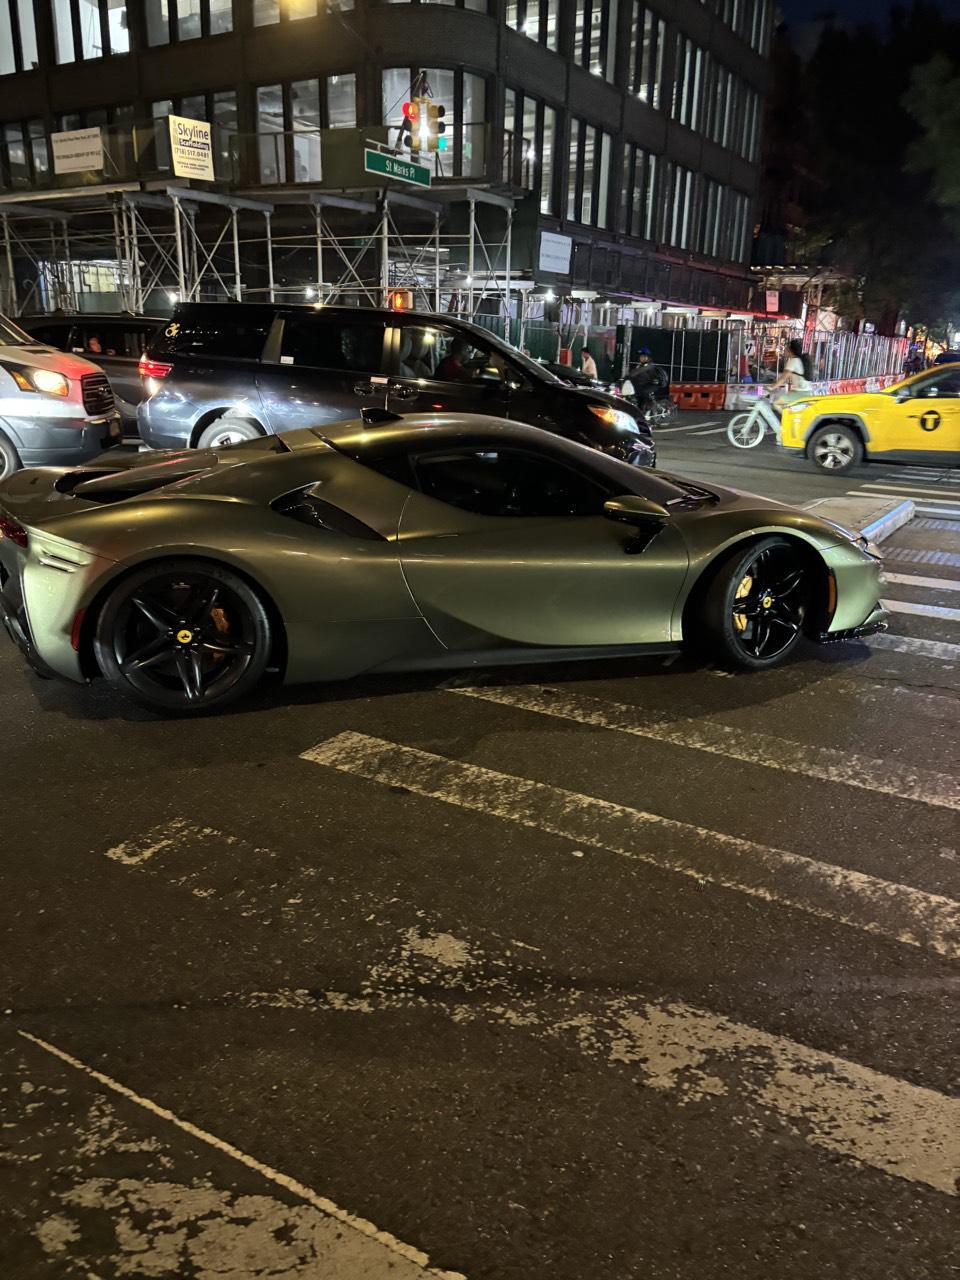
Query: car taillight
[148, 368]
[14, 531]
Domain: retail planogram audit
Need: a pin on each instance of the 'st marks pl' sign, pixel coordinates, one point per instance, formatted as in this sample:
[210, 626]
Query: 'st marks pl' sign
[191, 148]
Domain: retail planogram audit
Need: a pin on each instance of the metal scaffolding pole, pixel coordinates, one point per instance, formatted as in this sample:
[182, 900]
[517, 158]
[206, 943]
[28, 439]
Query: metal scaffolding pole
[470, 255]
[385, 253]
[506, 274]
[71, 294]
[318, 222]
[135, 260]
[270, 286]
[178, 236]
[11, 301]
[436, 261]
[238, 282]
[119, 236]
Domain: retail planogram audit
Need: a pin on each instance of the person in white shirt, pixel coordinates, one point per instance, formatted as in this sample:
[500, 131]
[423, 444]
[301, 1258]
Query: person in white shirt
[795, 379]
[588, 364]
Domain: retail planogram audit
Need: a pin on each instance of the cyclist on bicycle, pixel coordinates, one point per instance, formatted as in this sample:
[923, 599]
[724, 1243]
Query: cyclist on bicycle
[795, 379]
[646, 382]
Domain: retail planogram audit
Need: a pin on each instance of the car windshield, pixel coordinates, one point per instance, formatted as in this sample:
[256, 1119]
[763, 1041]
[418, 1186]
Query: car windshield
[525, 362]
[11, 336]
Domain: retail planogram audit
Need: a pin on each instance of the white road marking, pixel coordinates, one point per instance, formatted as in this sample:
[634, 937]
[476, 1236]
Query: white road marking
[379, 1244]
[922, 610]
[690, 426]
[910, 580]
[132, 852]
[892, 911]
[754, 748]
[952, 524]
[684, 1053]
[714, 431]
[939, 649]
[911, 491]
[910, 555]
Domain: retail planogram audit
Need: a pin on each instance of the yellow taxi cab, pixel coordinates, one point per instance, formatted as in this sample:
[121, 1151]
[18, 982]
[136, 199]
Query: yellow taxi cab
[916, 420]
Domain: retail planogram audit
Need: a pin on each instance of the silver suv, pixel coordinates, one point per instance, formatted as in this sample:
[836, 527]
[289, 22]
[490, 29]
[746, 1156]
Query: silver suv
[55, 409]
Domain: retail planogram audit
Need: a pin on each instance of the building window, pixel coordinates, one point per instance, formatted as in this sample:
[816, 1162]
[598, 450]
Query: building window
[289, 120]
[479, 5]
[170, 20]
[536, 19]
[530, 129]
[18, 37]
[687, 83]
[636, 195]
[464, 97]
[266, 12]
[588, 177]
[648, 42]
[595, 36]
[84, 29]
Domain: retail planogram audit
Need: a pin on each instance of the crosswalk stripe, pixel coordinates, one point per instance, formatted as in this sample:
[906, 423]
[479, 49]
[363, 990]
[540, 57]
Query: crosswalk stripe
[941, 526]
[939, 649]
[762, 749]
[922, 610]
[893, 911]
[912, 491]
[690, 426]
[376, 1252]
[714, 431]
[909, 580]
[910, 555]
[939, 511]
[685, 1053]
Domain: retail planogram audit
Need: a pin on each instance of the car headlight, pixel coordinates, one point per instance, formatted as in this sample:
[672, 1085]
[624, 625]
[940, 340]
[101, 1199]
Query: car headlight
[46, 380]
[613, 417]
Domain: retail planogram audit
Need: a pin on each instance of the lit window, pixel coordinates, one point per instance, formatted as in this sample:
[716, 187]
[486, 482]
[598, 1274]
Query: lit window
[87, 29]
[187, 19]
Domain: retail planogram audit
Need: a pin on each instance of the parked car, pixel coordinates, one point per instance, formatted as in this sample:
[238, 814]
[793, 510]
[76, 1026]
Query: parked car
[917, 420]
[220, 373]
[434, 540]
[55, 409]
[114, 342]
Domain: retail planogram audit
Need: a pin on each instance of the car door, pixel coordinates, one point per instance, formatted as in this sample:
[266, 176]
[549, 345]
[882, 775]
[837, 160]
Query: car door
[924, 417]
[437, 366]
[512, 543]
[326, 368]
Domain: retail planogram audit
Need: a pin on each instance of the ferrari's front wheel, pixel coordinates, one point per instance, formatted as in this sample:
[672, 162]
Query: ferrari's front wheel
[755, 607]
[183, 637]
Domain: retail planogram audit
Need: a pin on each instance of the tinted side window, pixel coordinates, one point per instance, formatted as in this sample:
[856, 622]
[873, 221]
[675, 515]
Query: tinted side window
[507, 483]
[54, 335]
[944, 384]
[205, 336]
[433, 351]
[321, 342]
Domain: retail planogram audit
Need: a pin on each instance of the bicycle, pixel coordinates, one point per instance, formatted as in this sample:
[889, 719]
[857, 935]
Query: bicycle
[746, 430]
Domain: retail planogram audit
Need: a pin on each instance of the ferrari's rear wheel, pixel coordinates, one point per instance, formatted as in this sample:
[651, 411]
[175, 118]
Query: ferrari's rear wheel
[183, 637]
[755, 607]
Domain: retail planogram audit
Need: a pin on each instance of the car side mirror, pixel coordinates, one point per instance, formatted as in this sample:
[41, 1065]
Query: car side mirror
[634, 510]
[903, 396]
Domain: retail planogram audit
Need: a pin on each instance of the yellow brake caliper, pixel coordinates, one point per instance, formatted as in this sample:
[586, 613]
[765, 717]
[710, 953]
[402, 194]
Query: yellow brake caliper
[744, 589]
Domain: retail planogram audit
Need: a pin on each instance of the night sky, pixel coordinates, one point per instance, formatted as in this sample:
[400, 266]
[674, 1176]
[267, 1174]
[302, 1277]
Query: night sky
[802, 15]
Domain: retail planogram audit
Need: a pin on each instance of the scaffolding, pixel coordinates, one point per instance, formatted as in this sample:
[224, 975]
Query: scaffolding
[178, 243]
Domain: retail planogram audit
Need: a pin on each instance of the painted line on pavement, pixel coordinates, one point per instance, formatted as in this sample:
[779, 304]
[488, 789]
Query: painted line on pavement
[692, 426]
[910, 555]
[377, 1243]
[714, 431]
[909, 580]
[939, 649]
[922, 610]
[939, 511]
[911, 491]
[763, 749]
[943, 526]
[892, 911]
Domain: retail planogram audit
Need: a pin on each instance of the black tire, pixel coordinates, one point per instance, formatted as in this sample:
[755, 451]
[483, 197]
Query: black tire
[9, 458]
[183, 637]
[754, 610]
[835, 448]
[227, 430]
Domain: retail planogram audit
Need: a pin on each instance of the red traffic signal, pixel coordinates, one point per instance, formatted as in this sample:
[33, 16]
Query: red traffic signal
[410, 111]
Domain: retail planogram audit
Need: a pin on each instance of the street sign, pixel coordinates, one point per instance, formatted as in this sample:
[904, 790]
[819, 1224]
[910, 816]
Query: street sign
[394, 167]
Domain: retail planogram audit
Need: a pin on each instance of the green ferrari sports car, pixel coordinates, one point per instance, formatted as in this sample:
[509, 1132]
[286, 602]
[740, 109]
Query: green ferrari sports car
[396, 543]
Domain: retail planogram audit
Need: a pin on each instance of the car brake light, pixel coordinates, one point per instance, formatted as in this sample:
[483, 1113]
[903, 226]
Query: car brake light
[14, 531]
[148, 368]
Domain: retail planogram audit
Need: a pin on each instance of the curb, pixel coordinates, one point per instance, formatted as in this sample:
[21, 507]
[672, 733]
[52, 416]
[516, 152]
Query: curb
[882, 519]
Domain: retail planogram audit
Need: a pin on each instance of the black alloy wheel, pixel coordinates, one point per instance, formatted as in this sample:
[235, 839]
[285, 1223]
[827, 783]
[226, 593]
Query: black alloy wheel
[756, 606]
[183, 637]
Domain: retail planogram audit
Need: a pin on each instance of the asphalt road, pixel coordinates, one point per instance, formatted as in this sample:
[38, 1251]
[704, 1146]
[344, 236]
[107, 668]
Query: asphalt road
[609, 970]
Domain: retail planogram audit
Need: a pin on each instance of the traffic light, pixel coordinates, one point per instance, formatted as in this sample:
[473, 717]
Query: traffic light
[400, 300]
[436, 126]
[411, 119]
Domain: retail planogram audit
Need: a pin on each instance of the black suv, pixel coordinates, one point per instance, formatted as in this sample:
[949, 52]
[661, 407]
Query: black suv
[218, 373]
[115, 342]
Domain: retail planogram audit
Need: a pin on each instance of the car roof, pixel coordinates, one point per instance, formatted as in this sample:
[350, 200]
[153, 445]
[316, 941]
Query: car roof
[318, 308]
[94, 317]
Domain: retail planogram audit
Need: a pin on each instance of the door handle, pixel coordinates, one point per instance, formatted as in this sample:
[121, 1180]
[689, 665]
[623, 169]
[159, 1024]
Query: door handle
[363, 388]
[400, 392]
